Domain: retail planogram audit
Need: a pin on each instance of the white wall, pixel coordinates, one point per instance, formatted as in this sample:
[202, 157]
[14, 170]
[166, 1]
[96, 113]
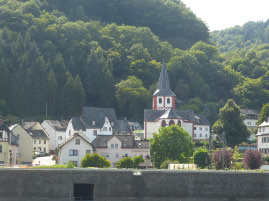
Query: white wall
[160, 105]
[166, 102]
[115, 154]
[63, 155]
[202, 132]
[41, 144]
[69, 130]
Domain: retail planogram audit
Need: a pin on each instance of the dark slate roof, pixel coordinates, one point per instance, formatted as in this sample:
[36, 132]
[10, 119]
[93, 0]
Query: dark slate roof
[152, 115]
[57, 125]
[37, 134]
[135, 125]
[249, 111]
[170, 114]
[84, 137]
[164, 84]
[3, 127]
[123, 126]
[77, 125]
[128, 141]
[98, 115]
[189, 115]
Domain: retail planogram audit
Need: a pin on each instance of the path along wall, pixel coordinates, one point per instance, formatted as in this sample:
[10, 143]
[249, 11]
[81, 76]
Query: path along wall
[120, 185]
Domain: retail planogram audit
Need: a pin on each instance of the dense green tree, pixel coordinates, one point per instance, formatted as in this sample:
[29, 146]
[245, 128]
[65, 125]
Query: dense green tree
[137, 160]
[264, 113]
[95, 160]
[231, 124]
[172, 143]
[201, 158]
[126, 162]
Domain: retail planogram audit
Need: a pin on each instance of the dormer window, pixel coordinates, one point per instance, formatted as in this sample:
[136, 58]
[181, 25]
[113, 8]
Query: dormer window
[93, 123]
[160, 100]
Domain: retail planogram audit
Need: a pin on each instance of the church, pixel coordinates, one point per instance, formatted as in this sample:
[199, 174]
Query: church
[164, 113]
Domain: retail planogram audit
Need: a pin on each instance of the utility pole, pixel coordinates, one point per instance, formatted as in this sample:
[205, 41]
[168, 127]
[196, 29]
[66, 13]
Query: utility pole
[46, 109]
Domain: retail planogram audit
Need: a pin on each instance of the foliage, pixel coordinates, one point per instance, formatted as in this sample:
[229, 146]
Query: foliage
[125, 162]
[95, 160]
[137, 160]
[201, 157]
[252, 159]
[236, 154]
[172, 143]
[265, 158]
[218, 159]
[231, 123]
[165, 163]
[264, 113]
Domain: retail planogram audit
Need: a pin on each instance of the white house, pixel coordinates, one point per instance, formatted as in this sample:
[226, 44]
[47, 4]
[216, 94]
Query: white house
[251, 118]
[163, 113]
[114, 147]
[96, 122]
[263, 137]
[74, 149]
[56, 131]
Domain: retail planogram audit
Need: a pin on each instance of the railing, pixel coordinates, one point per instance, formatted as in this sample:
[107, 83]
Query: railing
[84, 198]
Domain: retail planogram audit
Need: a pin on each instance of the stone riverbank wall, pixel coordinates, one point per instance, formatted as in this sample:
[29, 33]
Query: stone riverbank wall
[128, 185]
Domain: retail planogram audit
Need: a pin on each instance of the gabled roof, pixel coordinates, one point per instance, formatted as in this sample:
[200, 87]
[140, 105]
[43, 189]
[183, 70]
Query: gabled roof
[28, 125]
[170, 114]
[84, 137]
[128, 141]
[90, 114]
[36, 134]
[57, 125]
[164, 84]
[265, 123]
[152, 115]
[202, 119]
[77, 125]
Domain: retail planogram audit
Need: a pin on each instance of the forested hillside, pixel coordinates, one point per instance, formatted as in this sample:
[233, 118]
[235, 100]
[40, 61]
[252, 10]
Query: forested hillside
[47, 57]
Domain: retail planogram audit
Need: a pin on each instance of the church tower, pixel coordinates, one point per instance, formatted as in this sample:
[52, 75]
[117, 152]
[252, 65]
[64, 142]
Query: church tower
[163, 98]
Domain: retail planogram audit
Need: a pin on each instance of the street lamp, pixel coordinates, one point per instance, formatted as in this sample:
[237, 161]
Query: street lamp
[154, 157]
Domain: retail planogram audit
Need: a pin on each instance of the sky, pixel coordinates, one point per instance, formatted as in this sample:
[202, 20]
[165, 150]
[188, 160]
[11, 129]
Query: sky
[221, 14]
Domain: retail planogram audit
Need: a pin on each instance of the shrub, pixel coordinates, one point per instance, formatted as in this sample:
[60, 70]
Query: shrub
[165, 164]
[137, 160]
[265, 158]
[126, 162]
[95, 160]
[201, 157]
[218, 156]
[252, 159]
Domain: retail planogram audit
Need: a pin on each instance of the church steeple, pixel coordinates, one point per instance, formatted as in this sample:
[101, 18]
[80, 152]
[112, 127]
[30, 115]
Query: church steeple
[163, 97]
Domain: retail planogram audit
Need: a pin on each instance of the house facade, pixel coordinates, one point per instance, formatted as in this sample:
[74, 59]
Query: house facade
[97, 122]
[262, 137]
[25, 142]
[115, 147]
[56, 131]
[251, 118]
[40, 140]
[164, 113]
[74, 149]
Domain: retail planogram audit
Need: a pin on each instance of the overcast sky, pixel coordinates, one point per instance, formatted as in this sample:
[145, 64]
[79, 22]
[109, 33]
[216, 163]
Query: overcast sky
[221, 14]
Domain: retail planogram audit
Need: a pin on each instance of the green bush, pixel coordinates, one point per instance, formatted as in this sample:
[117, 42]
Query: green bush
[165, 164]
[126, 162]
[95, 160]
[137, 160]
[201, 157]
[237, 165]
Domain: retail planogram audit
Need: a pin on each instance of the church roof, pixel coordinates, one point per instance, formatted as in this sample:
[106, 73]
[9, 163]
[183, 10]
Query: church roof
[164, 84]
[170, 114]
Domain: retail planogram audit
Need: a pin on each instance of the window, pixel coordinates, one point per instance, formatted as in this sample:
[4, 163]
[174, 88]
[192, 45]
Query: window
[179, 123]
[39, 149]
[117, 155]
[116, 146]
[39, 141]
[160, 100]
[35, 148]
[206, 129]
[201, 135]
[168, 100]
[34, 141]
[260, 129]
[93, 123]
[44, 149]
[109, 128]
[206, 135]
[126, 155]
[112, 146]
[69, 133]
[256, 123]
[73, 152]
[163, 123]
[60, 138]
[171, 122]
[88, 151]
[94, 132]
[194, 134]
[200, 128]
[105, 129]
[194, 128]
[77, 141]
[1, 148]
[45, 141]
